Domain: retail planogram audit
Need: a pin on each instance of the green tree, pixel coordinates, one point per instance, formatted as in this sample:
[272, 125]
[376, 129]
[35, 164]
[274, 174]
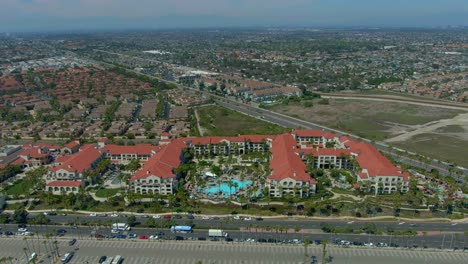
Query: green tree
[20, 216]
[131, 220]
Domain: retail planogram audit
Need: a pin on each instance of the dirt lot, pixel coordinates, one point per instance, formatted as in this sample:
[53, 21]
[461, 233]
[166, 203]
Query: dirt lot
[433, 131]
[369, 119]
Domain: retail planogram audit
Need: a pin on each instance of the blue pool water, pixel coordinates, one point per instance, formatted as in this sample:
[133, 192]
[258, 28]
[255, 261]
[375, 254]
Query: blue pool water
[224, 188]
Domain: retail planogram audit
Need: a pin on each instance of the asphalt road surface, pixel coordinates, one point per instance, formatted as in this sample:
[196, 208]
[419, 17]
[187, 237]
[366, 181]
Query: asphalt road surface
[437, 241]
[291, 223]
[171, 252]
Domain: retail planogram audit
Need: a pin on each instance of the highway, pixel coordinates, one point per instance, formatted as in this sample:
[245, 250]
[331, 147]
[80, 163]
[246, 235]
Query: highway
[229, 222]
[435, 241]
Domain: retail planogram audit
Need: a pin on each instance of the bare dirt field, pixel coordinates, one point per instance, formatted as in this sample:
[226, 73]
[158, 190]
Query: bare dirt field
[432, 131]
[370, 119]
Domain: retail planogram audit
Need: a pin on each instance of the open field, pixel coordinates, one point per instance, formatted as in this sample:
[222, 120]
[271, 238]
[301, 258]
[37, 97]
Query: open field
[19, 187]
[104, 193]
[219, 121]
[441, 147]
[370, 119]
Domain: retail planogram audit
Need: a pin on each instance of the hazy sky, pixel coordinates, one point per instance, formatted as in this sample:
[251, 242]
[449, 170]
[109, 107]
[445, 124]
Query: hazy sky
[102, 14]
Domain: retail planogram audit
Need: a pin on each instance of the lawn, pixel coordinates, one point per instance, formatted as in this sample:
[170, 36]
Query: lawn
[441, 147]
[219, 121]
[20, 187]
[105, 193]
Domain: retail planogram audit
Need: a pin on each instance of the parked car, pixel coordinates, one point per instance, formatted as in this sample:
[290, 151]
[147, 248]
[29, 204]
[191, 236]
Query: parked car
[248, 219]
[92, 214]
[143, 237]
[156, 216]
[102, 259]
[72, 242]
[132, 235]
[99, 236]
[177, 217]
[167, 217]
[190, 217]
[114, 215]
[22, 229]
[206, 218]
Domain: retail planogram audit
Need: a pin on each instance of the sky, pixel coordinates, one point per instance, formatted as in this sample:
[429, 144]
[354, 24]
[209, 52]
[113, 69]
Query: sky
[31, 15]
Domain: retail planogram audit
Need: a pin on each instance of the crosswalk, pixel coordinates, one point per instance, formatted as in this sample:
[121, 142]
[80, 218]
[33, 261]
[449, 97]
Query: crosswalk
[172, 252]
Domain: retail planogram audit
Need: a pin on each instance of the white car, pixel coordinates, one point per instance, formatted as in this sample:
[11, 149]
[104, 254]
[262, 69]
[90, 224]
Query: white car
[206, 218]
[115, 231]
[153, 237]
[93, 214]
[114, 215]
[248, 219]
[237, 217]
[23, 229]
[156, 216]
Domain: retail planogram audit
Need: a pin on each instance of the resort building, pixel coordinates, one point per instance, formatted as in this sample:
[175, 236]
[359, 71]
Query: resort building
[124, 154]
[69, 176]
[158, 175]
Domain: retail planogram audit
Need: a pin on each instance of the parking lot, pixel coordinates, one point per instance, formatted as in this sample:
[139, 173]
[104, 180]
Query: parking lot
[140, 252]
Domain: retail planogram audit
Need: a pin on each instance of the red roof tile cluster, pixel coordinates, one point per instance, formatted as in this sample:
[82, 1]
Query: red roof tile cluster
[72, 144]
[80, 161]
[370, 159]
[35, 153]
[139, 149]
[285, 162]
[163, 163]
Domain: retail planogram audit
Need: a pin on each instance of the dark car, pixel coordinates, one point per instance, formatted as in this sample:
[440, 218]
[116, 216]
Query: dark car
[72, 242]
[179, 238]
[121, 236]
[61, 231]
[21, 226]
[167, 217]
[102, 259]
[262, 240]
[202, 238]
[177, 217]
[228, 239]
[259, 219]
[190, 217]
[215, 218]
[9, 233]
[271, 240]
[99, 236]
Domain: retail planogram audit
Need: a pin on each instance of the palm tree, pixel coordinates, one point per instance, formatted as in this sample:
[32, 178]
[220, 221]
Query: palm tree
[324, 250]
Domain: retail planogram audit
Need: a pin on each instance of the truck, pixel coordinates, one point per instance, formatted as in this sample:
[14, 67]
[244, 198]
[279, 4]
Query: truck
[181, 229]
[217, 233]
[121, 227]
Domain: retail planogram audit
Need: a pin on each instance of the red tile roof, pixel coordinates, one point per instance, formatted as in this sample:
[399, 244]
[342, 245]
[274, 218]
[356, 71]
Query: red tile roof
[64, 184]
[72, 144]
[34, 152]
[80, 161]
[309, 133]
[285, 163]
[163, 163]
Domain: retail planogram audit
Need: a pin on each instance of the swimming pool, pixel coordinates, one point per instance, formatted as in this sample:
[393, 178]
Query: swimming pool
[226, 189]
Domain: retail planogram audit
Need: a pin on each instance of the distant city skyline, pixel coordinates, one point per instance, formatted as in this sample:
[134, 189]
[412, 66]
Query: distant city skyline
[32, 15]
